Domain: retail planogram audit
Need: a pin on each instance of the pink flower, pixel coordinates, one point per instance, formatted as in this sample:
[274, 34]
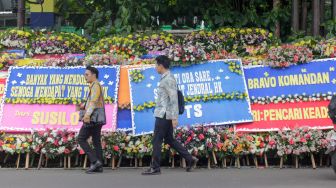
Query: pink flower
[262, 145]
[272, 143]
[303, 140]
[307, 136]
[188, 139]
[291, 141]
[201, 136]
[65, 139]
[116, 148]
[66, 151]
[81, 152]
[296, 58]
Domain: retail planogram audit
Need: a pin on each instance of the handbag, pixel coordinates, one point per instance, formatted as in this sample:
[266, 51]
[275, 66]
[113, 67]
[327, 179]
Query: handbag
[98, 116]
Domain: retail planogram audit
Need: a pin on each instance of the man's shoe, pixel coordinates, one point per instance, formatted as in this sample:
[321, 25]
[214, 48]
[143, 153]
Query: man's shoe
[191, 164]
[99, 170]
[95, 167]
[151, 171]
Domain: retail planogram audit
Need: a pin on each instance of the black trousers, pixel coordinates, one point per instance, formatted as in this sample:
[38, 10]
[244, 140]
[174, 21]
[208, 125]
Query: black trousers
[164, 131]
[95, 132]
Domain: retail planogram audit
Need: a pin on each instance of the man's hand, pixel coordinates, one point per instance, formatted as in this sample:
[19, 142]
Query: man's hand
[175, 123]
[86, 119]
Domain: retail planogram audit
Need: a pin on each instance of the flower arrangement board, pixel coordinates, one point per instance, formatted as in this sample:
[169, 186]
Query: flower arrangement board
[312, 78]
[215, 94]
[46, 97]
[291, 97]
[274, 117]
[2, 87]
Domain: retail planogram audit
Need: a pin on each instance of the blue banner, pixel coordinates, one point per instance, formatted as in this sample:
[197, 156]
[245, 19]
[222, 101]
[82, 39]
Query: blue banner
[317, 77]
[215, 94]
[57, 82]
[124, 122]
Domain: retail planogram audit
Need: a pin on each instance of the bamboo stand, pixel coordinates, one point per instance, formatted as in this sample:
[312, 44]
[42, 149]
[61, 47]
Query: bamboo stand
[135, 162]
[173, 162]
[5, 160]
[281, 162]
[77, 160]
[214, 157]
[46, 162]
[18, 161]
[183, 163]
[255, 159]
[224, 162]
[247, 160]
[27, 161]
[209, 162]
[266, 161]
[237, 162]
[40, 162]
[32, 160]
[113, 163]
[312, 160]
[69, 161]
[140, 162]
[65, 162]
[119, 161]
[85, 162]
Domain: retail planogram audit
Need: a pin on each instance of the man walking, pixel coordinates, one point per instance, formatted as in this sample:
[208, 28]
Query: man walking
[166, 114]
[95, 100]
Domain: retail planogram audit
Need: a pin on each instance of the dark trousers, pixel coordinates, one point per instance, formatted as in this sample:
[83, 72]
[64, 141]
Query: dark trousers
[164, 130]
[95, 132]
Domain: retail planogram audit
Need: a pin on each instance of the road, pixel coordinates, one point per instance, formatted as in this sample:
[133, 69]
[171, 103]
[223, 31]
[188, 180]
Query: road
[177, 178]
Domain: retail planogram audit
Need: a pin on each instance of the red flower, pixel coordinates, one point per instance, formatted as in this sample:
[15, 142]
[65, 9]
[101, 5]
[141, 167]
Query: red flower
[291, 142]
[116, 148]
[81, 152]
[66, 151]
[189, 139]
[262, 145]
[296, 58]
[56, 143]
[308, 136]
[65, 139]
[40, 133]
[201, 136]
[103, 144]
[272, 143]
[303, 140]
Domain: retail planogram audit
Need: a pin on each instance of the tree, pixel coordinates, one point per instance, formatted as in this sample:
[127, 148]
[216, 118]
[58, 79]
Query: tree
[295, 16]
[316, 17]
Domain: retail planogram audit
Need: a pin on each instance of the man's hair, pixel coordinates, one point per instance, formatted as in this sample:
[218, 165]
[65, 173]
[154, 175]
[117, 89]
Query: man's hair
[163, 60]
[93, 70]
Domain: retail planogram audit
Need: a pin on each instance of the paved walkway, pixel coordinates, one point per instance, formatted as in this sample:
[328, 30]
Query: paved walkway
[177, 178]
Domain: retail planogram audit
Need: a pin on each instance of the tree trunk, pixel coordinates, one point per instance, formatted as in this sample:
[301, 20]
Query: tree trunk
[322, 10]
[304, 16]
[295, 15]
[316, 17]
[21, 14]
[334, 9]
[276, 6]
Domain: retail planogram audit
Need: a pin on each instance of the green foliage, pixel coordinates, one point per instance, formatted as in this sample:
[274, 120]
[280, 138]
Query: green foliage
[105, 17]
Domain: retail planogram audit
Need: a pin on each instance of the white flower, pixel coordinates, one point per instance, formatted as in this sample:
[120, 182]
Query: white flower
[49, 139]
